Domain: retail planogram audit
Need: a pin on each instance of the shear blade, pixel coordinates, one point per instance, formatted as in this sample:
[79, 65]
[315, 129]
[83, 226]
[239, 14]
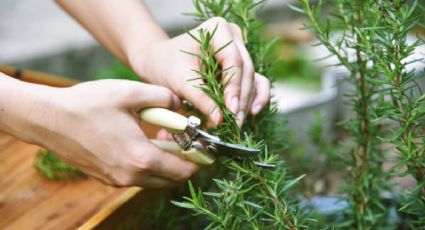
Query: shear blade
[233, 150]
[238, 151]
[264, 165]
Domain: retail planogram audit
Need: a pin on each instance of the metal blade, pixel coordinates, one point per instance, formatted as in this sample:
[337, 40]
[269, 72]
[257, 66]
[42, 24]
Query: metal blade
[264, 165]
[219, 148]
[230, 150]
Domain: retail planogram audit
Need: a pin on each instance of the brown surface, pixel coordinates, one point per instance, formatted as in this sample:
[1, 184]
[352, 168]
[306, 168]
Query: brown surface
[37, 77]
[29, 201]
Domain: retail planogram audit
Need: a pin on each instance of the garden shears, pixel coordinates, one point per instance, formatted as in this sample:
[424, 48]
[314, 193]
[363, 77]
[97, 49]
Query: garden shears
[192, 143]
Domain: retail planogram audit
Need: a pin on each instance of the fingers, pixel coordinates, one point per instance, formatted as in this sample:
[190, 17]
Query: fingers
[154, 182]
[126, 177]
[262, 94]
[247, 92]
[156, 162]
[162, 134]
[139, 95]
[201, 100]
[230, 59]
[239, 77]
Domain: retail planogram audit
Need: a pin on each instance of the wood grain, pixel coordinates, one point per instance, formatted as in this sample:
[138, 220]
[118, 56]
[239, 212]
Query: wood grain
[29, 201]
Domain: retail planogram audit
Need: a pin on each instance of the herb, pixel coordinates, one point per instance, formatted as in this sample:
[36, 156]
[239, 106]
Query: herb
[247, 196]
[118, 71]
[372, 46]
[53, 168]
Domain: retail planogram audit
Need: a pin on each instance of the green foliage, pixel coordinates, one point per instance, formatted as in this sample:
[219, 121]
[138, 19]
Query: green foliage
[293, 67]
[118, 71]
[319, 157]
[213, 76]
[387, 103]
[55, 169]
[248, 196]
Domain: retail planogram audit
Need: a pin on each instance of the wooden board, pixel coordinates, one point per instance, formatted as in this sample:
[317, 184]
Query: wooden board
[29, 201]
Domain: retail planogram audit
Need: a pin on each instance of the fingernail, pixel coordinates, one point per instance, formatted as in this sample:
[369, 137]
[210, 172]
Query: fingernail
[234, 105]
[240, 117]
[216, 117]
[256, 109]
[176, 102]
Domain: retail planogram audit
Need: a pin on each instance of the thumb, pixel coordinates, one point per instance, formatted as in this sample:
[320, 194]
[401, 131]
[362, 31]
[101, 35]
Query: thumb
[142, 95]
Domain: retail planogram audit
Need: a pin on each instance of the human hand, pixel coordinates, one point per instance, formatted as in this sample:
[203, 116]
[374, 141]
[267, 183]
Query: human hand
[94, 126]
[162, 62]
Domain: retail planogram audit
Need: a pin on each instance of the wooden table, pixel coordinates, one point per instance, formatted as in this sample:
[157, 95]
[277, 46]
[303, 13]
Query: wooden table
[29, 201]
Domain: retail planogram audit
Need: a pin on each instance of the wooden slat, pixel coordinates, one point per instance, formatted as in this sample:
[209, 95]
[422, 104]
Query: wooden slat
[110, 209]
[29, 201]
[37, 77]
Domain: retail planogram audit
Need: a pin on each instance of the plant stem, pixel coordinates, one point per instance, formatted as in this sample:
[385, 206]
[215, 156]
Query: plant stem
[399, 98]
[363, 129]
[275, 199]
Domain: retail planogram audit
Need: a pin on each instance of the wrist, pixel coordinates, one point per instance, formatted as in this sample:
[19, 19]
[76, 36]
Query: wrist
[24, 109]
[139, 58]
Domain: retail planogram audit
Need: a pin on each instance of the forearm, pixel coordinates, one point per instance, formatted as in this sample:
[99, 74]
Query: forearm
[121, 26]
[22, 105]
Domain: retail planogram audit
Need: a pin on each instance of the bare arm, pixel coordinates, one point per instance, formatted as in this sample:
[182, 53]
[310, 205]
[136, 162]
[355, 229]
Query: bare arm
[128, 30]
[118, 25]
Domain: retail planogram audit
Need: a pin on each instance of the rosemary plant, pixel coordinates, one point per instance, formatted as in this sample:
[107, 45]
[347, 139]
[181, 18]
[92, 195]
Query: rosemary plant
[249, 196]
[53, 168]
[373, 47]
[406, 107]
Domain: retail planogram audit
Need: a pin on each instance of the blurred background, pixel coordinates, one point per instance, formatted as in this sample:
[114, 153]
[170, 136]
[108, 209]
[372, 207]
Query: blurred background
[39, 35]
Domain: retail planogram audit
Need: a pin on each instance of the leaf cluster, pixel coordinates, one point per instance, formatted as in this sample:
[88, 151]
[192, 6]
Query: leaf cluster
[53, 168]
[387, 103]
[247, 196]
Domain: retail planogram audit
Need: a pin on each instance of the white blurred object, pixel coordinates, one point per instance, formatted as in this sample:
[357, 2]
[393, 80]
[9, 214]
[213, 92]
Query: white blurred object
[291, 99]
[35, 28]
[318, 52]
[301, 106]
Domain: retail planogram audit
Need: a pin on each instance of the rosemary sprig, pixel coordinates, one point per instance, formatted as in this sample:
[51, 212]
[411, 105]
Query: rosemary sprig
[248, 197]
[53, 168]
[376, 32]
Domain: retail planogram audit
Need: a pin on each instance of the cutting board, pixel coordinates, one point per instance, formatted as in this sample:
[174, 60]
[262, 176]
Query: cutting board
[30, 201]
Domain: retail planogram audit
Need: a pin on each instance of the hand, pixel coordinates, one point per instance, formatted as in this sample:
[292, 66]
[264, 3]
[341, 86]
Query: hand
[162, 62]
[94, 126]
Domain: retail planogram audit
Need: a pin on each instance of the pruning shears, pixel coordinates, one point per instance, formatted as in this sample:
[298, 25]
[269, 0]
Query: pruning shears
[192, 143]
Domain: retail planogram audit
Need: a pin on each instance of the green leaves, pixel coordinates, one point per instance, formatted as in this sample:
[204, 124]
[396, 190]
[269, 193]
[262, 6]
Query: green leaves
[247, 196]
[54, 169]
[385, 90]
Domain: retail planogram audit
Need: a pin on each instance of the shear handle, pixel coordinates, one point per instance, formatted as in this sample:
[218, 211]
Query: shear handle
[176, 124]
[173, 122]
[193, 154]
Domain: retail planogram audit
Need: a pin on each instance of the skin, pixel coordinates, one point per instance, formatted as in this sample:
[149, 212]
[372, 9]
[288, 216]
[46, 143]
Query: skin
[89, 129]
[94, 125]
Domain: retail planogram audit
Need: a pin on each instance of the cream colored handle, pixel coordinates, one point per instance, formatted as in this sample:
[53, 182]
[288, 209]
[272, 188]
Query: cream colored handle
[193, 155]
[173, 122]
